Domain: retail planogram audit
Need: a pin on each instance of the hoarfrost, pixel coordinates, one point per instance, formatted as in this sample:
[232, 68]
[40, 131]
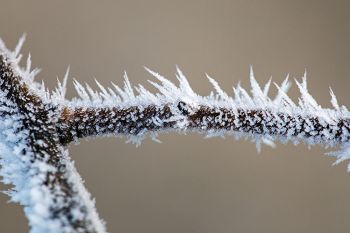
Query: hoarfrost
[44, 178]
[36, 125]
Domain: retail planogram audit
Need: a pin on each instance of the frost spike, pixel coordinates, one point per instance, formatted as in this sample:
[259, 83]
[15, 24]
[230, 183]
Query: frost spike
[81, 91]
[29, 64]
[282, 90]
[63, 87]
[258, 94]
[334, 100]
[165, 92]
[120, 92]
[183, 83]
[307, 99]
[33, 73]
[222, 94]
[127, 87]
[145, 94]
[19, 45]
[237, 98]
[258, 145]
[341, 155]
[104, 94]
[166, 84]
[267, 88]
[268, 142]
[283, 96]
[113, 94]
[245, 96]
[93, 95]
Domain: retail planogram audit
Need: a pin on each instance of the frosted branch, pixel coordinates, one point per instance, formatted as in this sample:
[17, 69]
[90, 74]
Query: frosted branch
[32, 159]
[36, 125]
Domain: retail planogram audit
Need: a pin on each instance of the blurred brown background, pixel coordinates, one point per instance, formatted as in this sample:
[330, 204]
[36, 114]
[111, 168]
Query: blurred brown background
[189, 184]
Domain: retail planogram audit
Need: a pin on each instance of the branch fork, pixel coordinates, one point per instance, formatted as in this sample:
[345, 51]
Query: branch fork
[37, 125]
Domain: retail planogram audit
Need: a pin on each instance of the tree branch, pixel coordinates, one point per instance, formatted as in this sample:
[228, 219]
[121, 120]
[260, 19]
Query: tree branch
[44, 178]
[75, 124]
[36, 125]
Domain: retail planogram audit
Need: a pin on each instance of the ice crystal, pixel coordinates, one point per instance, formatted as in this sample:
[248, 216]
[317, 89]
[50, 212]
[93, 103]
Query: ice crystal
[36, 125]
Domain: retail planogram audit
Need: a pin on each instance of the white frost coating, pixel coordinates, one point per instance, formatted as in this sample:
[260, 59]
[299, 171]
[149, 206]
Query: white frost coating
[27, 177]
[22, 169]
[83, 194]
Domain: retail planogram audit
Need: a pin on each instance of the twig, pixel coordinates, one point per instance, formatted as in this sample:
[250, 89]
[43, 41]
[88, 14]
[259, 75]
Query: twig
[36, 125]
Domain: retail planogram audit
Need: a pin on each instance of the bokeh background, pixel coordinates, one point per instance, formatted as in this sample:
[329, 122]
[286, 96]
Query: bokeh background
[189, 184]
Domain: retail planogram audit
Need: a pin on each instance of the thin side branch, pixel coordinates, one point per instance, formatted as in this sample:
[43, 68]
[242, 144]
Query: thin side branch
[179, 108]
[75, 124]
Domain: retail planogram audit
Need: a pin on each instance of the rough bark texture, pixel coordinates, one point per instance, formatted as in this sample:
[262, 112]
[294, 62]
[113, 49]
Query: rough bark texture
[79, 123]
